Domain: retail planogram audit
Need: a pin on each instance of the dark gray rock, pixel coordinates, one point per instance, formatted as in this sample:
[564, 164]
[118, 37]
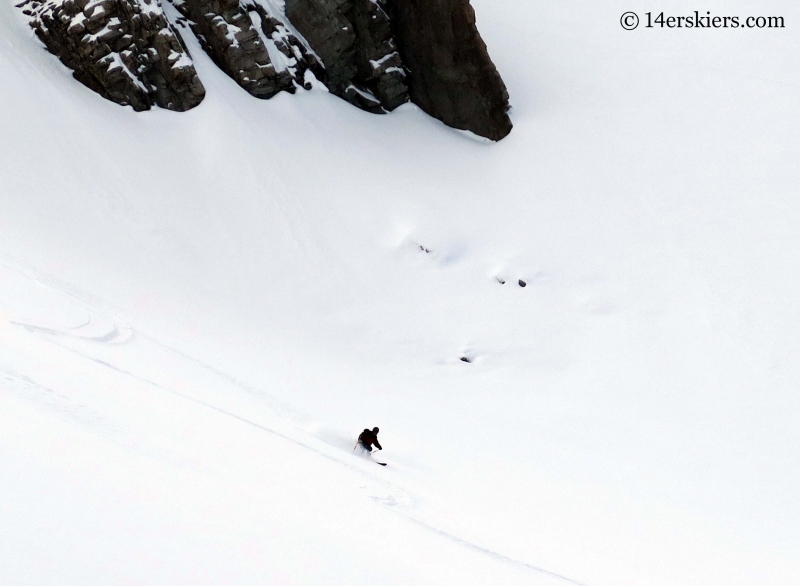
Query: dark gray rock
[450, 74]
[379, 68]
[291, 54]
[373, 53]
[227, 32]
[125, 50]
[353, 38]
[330, 34]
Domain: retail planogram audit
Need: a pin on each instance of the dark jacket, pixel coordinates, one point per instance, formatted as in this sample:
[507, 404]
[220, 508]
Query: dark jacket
[368, 439]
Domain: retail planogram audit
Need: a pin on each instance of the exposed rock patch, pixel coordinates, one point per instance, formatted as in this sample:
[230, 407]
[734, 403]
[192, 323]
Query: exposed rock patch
[125, 50]
[450, 76]
[353, 38]
[241, 47]
[379, 67]
[287, 52]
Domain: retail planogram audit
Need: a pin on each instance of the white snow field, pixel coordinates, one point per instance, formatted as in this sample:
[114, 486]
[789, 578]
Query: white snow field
[199, 313]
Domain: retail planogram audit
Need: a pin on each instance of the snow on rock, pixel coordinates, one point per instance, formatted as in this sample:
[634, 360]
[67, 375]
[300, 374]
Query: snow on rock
[125, 50]
[352, 37]
[288, 50]
[230, 35]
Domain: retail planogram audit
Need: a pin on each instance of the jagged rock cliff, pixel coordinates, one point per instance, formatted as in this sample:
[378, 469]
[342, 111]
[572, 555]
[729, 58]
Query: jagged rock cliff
[376, 54]
[125, 50]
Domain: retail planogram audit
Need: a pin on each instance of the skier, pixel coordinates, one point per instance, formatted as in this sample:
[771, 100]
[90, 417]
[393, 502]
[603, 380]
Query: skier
[368, 438]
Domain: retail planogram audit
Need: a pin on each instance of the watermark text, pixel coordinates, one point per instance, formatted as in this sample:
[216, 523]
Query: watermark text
[698, 20]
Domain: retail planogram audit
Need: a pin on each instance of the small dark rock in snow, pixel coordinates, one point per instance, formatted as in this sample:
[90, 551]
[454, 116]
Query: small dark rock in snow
[501, 281]
[522, 283]
[465, 359]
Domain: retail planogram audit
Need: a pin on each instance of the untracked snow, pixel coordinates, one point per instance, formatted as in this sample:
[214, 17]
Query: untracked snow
[199, 312]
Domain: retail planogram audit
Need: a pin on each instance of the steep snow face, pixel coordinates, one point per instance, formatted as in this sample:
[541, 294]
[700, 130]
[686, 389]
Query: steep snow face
[199, 313]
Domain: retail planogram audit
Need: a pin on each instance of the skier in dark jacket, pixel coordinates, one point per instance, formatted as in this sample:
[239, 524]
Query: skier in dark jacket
[369, 438]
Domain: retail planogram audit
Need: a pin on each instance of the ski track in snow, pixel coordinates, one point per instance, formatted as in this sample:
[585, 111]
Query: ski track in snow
[62, 406]
[122, 333]
[389, 504]
[112, 336]
[490, 553]
[357, 470]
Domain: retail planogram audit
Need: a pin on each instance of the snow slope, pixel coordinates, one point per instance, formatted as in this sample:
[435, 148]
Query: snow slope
[200, 311]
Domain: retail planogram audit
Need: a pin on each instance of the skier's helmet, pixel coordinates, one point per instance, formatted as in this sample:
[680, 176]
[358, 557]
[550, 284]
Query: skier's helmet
[375, 430]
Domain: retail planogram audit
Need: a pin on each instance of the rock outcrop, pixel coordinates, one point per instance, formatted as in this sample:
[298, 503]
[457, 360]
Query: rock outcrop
[353, 38]
[376, 54]
[125, 50]
[288, 52]
[451, 76]
[379, 67]
[238, 38]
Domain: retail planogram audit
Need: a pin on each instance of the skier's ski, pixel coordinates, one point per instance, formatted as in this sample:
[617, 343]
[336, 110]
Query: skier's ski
[380, 463]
